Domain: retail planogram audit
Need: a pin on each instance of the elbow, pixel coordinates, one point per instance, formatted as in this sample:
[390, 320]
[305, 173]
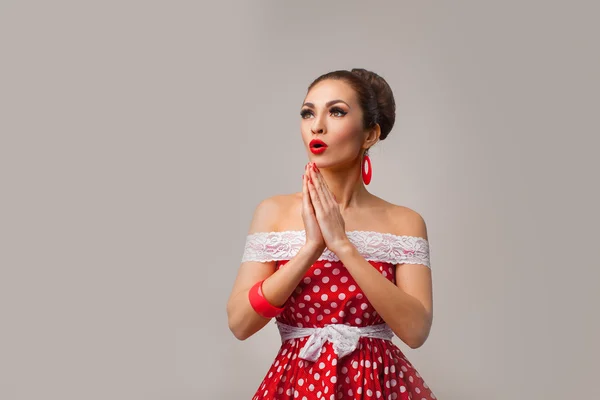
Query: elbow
[235, 326]
[418, 337]
[238, 333]
[417, 340]
[240, 330]
[416, 343]
[240, 324]
[414, 340]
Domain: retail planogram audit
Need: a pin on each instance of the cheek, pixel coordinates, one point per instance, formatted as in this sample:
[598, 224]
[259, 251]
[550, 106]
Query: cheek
[347, 131]
[306, 133]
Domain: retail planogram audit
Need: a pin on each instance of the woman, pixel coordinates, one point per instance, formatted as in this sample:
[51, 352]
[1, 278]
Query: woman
[340, 269]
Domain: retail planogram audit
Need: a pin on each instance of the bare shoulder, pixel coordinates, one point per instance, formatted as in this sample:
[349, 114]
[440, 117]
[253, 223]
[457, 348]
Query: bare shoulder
[406, 221]
[269, 213]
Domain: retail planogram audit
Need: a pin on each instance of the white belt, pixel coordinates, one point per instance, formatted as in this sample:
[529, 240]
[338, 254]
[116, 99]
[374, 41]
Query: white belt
[344, 338]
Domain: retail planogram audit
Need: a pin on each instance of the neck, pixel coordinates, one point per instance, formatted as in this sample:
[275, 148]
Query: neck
[347, 185]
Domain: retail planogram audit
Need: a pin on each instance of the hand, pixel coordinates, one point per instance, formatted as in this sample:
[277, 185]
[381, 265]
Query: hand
[327, 211]
[314, 238]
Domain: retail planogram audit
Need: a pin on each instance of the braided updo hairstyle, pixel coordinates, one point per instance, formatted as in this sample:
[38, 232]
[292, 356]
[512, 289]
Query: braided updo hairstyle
[374, 96]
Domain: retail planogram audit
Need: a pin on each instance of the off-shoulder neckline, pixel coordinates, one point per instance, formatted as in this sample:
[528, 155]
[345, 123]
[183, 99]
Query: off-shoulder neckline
[356, 231]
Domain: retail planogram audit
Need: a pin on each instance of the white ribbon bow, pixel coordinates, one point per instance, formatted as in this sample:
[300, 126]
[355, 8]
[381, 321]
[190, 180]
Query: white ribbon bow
[344, 338]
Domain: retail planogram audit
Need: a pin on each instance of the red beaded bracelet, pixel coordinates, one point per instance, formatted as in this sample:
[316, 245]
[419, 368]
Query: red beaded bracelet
[260, 304]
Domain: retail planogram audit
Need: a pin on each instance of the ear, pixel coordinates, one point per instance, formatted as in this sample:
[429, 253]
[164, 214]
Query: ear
[372, 137]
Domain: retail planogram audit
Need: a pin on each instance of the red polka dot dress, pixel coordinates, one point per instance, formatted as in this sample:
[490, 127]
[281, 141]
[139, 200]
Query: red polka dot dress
[328, 357]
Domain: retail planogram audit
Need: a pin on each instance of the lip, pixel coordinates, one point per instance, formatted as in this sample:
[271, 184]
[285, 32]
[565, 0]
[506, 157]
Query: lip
[317, 150]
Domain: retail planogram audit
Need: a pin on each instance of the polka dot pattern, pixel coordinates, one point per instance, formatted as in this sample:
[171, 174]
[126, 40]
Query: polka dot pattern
[377, 369]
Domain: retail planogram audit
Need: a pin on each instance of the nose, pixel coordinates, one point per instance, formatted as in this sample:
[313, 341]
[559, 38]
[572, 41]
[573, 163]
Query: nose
[318, 126]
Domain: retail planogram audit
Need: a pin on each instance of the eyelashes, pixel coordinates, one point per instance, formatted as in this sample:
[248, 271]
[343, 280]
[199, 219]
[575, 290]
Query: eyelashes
[334, 110]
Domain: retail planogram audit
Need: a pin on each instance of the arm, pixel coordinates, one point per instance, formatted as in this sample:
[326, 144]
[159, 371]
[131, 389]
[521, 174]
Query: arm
[278, 285]
[407, 306]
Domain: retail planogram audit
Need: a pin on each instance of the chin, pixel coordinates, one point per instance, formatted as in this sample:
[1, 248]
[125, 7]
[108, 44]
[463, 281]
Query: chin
[323, 164]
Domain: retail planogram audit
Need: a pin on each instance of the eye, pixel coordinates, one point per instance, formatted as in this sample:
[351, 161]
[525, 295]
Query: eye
[338, 111]
[304, 113]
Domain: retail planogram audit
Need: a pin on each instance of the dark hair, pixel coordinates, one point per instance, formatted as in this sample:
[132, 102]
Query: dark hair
[374, 96]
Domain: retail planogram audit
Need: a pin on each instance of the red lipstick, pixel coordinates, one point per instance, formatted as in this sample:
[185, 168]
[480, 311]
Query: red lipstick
[317, 146]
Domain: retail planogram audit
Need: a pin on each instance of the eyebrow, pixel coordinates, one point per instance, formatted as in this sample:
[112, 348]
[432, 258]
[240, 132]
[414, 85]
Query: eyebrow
[329, 103]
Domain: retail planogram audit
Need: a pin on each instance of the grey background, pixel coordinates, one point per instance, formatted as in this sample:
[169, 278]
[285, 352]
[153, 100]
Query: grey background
[138, 136]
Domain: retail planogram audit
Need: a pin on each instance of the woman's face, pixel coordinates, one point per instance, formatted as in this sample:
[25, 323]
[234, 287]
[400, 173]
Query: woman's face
[331, 113]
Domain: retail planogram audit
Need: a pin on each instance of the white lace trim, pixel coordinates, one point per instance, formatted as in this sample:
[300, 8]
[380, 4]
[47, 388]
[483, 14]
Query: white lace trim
[344, 338]
[373, 246]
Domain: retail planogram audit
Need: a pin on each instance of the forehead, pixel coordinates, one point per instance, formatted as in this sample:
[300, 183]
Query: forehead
[331, 89]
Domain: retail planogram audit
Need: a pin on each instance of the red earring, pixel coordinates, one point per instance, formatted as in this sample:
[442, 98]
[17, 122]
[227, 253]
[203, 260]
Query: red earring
[366, 175]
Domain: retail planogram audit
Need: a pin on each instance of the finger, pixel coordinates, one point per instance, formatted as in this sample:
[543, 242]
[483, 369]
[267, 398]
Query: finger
[314, 197]
[305, 195]
[327, 193]
[321, 187]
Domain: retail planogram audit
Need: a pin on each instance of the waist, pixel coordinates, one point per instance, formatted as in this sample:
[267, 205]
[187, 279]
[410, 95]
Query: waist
[344, 338]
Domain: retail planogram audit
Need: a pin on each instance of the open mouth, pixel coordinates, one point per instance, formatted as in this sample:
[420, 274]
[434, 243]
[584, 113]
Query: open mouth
[317, 144]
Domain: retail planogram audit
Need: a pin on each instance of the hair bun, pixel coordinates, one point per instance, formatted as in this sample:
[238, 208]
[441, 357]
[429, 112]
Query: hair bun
[386, 106]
